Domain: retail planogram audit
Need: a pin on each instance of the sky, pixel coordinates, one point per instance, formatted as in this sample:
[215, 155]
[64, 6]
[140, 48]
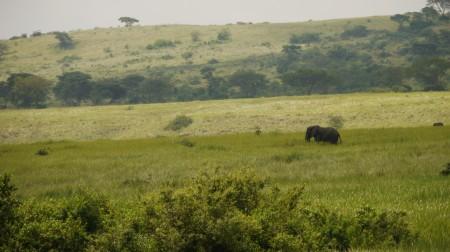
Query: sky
[26, 16]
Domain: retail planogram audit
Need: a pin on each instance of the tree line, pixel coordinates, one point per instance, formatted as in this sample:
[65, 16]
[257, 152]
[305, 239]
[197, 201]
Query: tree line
[300, 70]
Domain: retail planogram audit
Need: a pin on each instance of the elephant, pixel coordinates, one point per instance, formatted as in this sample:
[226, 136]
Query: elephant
[330, 135]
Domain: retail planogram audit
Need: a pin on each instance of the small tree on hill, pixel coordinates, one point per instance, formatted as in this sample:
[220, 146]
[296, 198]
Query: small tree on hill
[356, 32]
[400, 19]
[441, 6]
[128, 21]
[195, 36]
[3, 49]
[224, 35]
[73, 88]
[65, 41]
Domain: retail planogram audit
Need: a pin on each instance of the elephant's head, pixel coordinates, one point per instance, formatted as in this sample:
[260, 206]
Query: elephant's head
[311, 131]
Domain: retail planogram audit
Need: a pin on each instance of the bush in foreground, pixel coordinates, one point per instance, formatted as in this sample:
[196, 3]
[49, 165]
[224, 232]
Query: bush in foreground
[235, 211]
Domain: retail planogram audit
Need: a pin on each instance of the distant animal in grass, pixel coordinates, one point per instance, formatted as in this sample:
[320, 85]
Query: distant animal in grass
[320, 134]
[438, 124]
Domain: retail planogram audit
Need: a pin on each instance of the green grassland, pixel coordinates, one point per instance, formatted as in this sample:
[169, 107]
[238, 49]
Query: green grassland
[390, 157]
[285, 114]
[113, 52]
[396, 169]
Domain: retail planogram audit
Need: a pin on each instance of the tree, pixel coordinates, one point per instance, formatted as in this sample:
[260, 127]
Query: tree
[400, 19]
[441, 6]
[4, 94]
[207, 72]
[195, 36]
[73, 88]
[65, 41]
[3, 49]
[27, 90]
[107, 91]
[307, 80]
[128, 21]
[157, 88]
[357, 32]
[224, 35]
[131, 84]
[430, 13]
[250, 82]
[431, 72]
[217, 88]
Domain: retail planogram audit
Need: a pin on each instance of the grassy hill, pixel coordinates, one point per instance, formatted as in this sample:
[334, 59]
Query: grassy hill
[288, 114]
[112, 52]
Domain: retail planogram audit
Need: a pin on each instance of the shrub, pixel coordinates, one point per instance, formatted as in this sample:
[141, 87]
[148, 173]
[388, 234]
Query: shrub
[161, 43]
[65, 41]
[3, 50]
[446, 171]
[235, 211]
[213, 61]
[266, 44]
[42, 152]
[187, 143]
[167, 57]
[258, 131]
[355, 32]
[336, 121]
[187, 55]
[8, 211]
[224, 35]
[238, 212]
[179, 122]
[305, 38]
[195, 36]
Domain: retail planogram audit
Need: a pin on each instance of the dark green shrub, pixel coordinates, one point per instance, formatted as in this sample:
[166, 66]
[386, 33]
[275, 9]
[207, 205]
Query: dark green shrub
[355, 32]
[213, 61]
[370, 229]
[186, 142]
[180, 121]
[305, 38]
[446, 171]
[45, 228]
[238, 212]
[65, 41]
[258, 131]
[161, 43]
[89, 208]
[9, 206]
[187, 55]
[223, 36]
[42, 152]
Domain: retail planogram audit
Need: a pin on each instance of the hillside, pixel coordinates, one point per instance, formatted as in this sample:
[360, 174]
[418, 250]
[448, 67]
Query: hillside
[114, 52]
[281, 114]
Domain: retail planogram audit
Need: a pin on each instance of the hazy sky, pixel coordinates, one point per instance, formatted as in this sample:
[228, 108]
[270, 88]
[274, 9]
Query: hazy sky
[26, 16]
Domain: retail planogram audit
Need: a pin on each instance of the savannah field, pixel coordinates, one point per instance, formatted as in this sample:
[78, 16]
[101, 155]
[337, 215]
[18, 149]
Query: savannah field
[390, 158]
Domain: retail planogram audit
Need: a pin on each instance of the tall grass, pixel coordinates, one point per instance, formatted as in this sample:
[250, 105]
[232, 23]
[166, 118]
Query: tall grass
[396, 168]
